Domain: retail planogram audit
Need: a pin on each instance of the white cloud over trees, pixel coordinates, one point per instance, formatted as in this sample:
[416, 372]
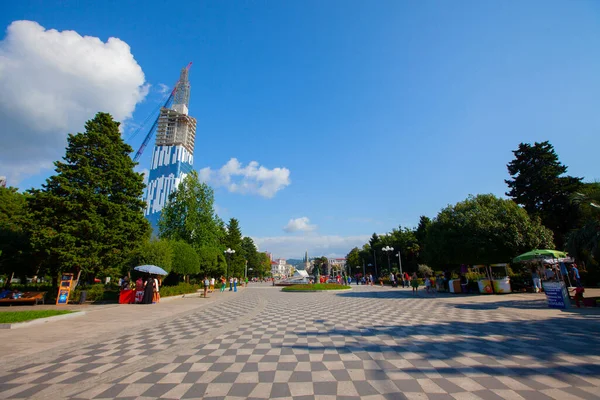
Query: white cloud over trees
[301, 224]
[51, 83]
[317, 245]
[250, 179]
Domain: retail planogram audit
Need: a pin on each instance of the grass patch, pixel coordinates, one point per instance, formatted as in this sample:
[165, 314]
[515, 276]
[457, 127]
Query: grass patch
[12, 317]
[316, 286]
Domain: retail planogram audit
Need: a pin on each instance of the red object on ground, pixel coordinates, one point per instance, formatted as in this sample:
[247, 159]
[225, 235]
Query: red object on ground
[127, 297]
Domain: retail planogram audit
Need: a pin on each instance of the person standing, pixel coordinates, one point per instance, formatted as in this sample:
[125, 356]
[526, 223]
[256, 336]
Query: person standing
[537, 285]
[576, 275]
[212, 285]
[156, 295]
[235, 283]
[139, 290]
[223, 284]
[230, 283]
[148, 290]
[414, 282]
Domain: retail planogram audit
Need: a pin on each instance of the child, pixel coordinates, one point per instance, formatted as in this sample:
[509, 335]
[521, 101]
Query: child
[578, 295]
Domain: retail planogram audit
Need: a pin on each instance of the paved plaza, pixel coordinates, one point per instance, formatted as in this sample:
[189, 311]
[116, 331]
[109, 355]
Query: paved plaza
[260, 343]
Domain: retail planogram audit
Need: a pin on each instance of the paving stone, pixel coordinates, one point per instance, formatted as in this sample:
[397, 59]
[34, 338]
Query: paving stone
[370, 343]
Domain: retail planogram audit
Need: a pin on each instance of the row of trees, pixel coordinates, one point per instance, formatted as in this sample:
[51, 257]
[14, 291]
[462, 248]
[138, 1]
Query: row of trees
[88, 218]
[546, 209]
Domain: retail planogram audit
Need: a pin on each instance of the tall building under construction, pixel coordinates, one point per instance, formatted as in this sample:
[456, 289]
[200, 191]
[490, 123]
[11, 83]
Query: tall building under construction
[173, 154]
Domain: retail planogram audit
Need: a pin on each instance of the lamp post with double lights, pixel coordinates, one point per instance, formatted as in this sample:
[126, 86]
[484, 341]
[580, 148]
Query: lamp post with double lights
[388, 250]
[228, 253]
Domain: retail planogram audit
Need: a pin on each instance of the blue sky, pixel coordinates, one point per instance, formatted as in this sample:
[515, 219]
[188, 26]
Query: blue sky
[381, 111]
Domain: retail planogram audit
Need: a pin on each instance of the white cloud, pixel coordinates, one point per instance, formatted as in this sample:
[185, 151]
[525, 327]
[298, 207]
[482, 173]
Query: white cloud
[146, 173]
[51, 83]
[301, 224]
[162, 88]
[251, 179]
[317, 245]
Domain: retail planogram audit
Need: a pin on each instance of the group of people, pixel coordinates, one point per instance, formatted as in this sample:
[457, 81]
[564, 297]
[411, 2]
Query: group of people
[551, 273]
[147, 289]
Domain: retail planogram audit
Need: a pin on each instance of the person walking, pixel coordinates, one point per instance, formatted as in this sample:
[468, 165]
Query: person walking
[206, 286]
[211, 288]
[230, 283]
[223, 284]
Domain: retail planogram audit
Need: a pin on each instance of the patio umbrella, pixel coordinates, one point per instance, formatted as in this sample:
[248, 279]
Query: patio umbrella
[151, 269]
[537, 254]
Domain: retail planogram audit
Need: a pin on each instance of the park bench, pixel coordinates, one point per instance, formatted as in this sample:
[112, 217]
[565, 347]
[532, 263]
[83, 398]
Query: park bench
[26, 298]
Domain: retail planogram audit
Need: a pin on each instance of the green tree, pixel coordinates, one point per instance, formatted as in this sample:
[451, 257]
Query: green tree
[212, 262]
[483, 230]
[189, 215]
[251, 254]
[233, 240]
[583, 243]
[539, 185]
[157, 252]
[354, 261]
[264, 269]
[421, 236]
[14, 238]
[185, 259]
[89, 215]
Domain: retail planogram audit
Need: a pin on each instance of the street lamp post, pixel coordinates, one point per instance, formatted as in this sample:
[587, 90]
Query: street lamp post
[228, 253]
[388, 250]
[400, 263]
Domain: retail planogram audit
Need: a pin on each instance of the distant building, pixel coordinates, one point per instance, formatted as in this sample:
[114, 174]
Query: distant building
[338, 264]
[270, 255]
[2, 181]
[279, 267]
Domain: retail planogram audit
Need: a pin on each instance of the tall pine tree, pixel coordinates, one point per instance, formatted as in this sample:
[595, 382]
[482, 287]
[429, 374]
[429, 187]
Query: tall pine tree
[233, 240]
[538, 184]
[88, 216]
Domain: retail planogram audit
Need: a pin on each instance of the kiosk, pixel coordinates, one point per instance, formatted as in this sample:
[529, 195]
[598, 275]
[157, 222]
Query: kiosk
[66, 282]
[494, 284]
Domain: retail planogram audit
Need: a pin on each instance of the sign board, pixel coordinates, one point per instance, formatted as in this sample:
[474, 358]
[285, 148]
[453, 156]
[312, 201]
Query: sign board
[64, 289]
[557, 295]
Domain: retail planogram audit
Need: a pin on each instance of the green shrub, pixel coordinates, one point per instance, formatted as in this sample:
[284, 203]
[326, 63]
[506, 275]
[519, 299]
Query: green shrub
[75, 295]
[95, 293]
[182, 288]
[316, 286]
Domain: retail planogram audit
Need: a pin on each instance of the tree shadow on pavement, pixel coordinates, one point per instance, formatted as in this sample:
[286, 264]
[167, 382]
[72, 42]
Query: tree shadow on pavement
[521, 343]
[487, 302]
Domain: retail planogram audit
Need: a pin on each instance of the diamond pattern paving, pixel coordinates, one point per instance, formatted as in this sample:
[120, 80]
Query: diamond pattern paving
[369, 343]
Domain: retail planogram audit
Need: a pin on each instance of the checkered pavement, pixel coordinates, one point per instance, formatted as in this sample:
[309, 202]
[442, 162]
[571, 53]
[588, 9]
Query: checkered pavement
[369, 343]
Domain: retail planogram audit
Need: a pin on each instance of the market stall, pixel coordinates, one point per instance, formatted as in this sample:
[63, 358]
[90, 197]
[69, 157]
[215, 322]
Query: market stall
[555, 289]
[495, 279]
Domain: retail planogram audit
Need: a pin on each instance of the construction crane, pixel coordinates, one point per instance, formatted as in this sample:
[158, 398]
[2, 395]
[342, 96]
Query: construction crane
[167, 104]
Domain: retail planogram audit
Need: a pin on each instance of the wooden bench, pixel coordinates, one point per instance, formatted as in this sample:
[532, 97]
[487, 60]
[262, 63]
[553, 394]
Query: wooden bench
[27, 298]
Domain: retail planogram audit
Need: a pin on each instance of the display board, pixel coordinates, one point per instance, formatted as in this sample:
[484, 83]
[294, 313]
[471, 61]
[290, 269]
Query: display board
[64, 289]
[556, 294]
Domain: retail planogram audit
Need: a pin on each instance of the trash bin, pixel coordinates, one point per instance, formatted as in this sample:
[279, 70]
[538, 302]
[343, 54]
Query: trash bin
[83, 297]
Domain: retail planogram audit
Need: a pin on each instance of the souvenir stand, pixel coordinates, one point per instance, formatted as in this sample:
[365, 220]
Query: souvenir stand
[557, 294]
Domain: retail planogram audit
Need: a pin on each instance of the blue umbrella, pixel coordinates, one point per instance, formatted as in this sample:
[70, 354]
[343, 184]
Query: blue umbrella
[151, 269]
